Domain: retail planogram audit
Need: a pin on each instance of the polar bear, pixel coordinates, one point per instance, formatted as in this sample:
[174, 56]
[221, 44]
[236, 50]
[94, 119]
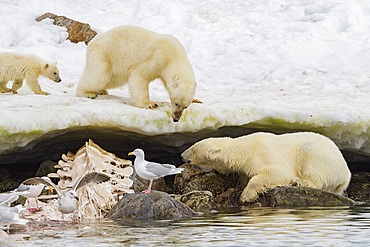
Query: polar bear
[269, 160]
[136, 56]
[17, 67]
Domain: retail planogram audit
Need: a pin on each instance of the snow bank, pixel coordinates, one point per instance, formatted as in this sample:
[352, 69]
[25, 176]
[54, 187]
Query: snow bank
[282, 64]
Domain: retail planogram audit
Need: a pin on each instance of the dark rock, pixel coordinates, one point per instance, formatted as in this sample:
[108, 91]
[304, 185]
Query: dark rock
[359, 187]
[286, 196]
[199, 200]
[140, 184]
[7, 182]
[195, 178]
[45, 168]
[156, 205]
[290, 196]
[229, 198]
[77, 31]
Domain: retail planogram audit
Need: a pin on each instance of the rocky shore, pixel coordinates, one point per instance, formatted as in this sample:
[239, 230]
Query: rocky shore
[205, 190]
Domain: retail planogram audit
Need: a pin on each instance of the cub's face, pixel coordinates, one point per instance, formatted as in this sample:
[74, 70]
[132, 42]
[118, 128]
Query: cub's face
[52, 72]
[203, 153]
[182, 94]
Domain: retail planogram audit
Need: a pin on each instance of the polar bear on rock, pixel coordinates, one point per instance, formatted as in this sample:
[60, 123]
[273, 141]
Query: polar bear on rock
[269, 160]
[135, 56]
[17, 67]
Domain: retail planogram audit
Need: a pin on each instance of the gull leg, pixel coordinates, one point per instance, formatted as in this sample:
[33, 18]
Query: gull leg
[147, 191]
[29, 206]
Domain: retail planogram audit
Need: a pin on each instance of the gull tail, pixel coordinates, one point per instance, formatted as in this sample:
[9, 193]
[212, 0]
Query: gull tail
[176, 171]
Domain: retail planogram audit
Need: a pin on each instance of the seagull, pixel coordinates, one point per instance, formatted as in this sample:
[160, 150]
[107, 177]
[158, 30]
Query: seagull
[8, 198]
[67, 203]
[33, 192]
[151, 170]
[10, 215]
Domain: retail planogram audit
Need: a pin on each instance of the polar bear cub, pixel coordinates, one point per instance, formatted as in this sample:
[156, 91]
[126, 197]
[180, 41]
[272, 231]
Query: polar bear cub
[269, 160]
[17, 67]
[136, 56]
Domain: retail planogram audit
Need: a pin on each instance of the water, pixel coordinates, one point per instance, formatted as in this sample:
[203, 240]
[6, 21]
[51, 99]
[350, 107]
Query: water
[338, 226]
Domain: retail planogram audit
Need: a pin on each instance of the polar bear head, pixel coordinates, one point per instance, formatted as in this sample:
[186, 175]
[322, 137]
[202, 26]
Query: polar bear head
[182, 93]
[203, 153]
[211, 153]
[50, 70]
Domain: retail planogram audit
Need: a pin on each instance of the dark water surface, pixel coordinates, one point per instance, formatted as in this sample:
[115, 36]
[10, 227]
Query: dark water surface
[337, 226]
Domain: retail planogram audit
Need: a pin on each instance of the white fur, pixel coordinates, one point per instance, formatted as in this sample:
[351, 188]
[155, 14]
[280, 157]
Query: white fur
[135, 56]
[17, 67]
[268, 160]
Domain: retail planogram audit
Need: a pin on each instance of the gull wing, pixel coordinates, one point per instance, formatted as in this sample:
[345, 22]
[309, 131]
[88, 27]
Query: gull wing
[96, 177]
[8, 198]
[43, 180]
[160, 170]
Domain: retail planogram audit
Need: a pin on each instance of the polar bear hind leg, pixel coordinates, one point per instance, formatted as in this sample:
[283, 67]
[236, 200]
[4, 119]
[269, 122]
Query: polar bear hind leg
[95, 78]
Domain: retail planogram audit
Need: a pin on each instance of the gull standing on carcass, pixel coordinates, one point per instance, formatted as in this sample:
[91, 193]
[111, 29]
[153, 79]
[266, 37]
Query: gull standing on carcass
[34, 190]
[151, 170]
[67, 203]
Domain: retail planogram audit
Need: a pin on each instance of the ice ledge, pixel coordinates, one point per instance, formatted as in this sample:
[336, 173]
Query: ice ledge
[52, 125]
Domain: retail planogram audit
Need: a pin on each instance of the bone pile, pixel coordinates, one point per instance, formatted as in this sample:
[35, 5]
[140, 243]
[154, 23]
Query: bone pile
[95, 199]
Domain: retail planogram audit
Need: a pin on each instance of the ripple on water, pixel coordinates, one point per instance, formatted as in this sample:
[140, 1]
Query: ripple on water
[338, 226]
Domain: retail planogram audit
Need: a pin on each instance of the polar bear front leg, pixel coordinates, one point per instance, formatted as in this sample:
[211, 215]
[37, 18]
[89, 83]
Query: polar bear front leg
[139, 90]
[32, 82]
[3, 88]
[255, 186]
[269, 179]
[17, 85]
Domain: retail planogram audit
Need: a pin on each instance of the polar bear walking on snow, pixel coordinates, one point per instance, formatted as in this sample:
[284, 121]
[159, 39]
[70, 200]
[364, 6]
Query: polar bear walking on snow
[135, 56]
[268, 160]
[17, 67]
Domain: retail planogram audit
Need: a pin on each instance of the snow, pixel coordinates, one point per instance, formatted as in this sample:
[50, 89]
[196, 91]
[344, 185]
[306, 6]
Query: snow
[282, 64]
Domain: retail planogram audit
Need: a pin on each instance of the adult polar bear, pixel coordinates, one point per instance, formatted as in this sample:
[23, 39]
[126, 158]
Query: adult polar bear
[268, 160]
[135, 56]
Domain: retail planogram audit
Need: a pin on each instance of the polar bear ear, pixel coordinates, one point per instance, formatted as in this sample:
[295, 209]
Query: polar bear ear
[175, 81]
[46, 66]
[212, 150]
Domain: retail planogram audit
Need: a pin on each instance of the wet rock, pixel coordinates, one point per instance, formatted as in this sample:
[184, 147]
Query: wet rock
[302, 197]
[229, 198]
[77, 31]
[286, 196]
[156, 205]
[359, 187]
[140, 184]
[7, 182]
[195, 178]
[199, 200]
[45, 168]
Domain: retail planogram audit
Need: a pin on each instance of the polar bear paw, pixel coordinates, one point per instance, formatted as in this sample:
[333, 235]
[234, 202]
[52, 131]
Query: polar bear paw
[43, 93]
[5, 90]
[249, 196]
[152, 105]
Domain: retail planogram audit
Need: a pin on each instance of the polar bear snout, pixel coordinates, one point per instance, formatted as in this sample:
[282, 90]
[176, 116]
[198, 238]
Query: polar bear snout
[185, 156]
[176, 114]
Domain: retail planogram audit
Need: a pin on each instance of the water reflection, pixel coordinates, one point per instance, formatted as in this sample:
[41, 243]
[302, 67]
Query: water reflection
[338, 226]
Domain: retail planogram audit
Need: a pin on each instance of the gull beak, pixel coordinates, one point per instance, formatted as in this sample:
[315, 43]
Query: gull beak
[77, 198]
[130, 153]
[51, 189]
